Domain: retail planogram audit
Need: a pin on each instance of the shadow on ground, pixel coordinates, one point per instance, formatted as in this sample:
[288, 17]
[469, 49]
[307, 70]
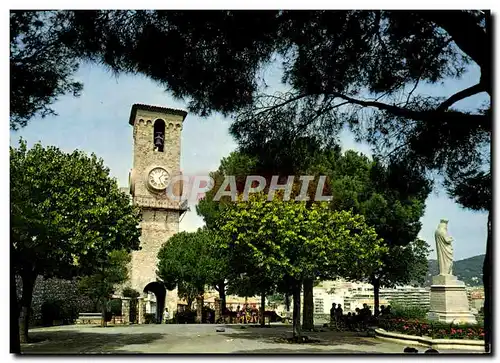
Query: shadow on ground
[74, 342]
[330, 338]
[297, 351]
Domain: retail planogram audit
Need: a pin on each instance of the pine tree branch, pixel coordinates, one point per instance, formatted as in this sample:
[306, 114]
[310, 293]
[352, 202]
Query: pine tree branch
[478, 88]
[453, 116]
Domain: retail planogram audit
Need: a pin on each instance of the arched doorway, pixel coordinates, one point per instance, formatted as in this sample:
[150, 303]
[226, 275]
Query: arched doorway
[160, 292]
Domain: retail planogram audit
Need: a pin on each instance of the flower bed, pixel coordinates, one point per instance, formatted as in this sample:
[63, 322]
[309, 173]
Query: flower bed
[434, 330]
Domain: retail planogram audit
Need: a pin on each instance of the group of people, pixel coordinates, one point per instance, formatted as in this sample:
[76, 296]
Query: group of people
[243, 314]
[247, 314]
[354, 321]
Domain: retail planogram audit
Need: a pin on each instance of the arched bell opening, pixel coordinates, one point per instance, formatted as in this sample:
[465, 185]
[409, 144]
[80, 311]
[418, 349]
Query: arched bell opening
[159, 135]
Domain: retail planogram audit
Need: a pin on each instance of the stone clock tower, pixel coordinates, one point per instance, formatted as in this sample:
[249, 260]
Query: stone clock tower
[157, 139]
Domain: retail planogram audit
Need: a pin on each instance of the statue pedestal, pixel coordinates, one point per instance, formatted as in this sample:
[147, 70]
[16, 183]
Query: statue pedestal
[449, 303]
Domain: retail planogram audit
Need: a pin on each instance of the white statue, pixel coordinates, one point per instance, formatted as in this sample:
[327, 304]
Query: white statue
[444, 248]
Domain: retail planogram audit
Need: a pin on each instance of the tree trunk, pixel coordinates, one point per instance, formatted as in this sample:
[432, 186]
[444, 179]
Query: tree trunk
[28, 279]
[487, 284]
[262, 309]
[103, 314]
[189, 302]
[297, 331]
[222, 296]
[376, 296]
[199, 309]
[15, 343]
[308, 318]
[287, 302]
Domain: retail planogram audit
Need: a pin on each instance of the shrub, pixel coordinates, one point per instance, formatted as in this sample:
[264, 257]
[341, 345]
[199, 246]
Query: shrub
[115, 307]
[150, 318]
[205, 311]
[434, 330]
[408, 311]
[50, 311]
[185, 317]
[131, 293]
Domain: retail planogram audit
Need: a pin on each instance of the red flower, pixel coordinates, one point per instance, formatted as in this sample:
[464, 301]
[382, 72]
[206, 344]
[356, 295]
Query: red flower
[405, 327]
[482, 334]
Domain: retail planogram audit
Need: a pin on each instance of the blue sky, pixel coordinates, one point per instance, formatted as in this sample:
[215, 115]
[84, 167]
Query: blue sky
[98, 122]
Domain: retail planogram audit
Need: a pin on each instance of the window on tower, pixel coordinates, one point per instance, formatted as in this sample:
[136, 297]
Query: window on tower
[159, 135]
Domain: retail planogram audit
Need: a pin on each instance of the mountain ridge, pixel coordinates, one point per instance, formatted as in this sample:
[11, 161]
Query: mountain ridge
[468, 270]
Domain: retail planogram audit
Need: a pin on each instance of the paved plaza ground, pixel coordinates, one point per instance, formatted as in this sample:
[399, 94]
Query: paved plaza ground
[170, 338]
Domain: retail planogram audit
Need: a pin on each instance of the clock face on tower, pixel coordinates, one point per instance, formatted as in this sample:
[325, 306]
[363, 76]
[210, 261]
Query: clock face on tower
[158, 178]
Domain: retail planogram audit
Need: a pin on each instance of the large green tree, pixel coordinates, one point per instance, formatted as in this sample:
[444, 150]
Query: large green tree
[110, 272]
[276, 154]
[189, 260]
[66, 213]
[295, 242]
[392, 200]
[276, 157]
[391, 197]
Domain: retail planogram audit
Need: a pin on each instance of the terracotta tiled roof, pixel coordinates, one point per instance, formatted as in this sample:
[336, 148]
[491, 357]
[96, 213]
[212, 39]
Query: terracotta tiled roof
[140, 106]
[477, 295]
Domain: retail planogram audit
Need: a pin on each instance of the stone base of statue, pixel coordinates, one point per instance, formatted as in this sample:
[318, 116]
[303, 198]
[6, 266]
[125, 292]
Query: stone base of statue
[449, 303]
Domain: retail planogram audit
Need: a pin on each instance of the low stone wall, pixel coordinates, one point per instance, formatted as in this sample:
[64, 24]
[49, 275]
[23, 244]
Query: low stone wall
[96, 320]
[464, 344]
[88, 320]
[118, 320]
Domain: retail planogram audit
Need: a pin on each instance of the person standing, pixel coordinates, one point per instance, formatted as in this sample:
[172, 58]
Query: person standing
[332, 314]
[167, 316]
[254, 314]
[238, 314]
[339, 316]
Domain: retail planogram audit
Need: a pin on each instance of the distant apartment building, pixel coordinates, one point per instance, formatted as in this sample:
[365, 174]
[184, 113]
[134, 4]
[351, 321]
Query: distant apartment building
[476, 297]
[401, 295]
[352, 295]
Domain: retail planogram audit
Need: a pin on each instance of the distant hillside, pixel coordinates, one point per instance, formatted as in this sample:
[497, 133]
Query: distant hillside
[466, 270]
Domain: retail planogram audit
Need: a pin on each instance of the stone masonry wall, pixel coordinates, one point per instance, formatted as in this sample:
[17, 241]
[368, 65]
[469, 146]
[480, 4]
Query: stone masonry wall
[157, 227]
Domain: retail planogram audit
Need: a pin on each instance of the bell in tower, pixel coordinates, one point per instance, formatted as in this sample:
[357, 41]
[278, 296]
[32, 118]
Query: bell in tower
[159, 135]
